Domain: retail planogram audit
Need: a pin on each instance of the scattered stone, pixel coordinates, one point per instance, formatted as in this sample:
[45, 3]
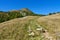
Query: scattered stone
[31, 34]
[39, 29]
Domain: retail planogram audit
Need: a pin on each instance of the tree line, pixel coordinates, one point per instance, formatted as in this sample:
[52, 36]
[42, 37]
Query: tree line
[53, 13]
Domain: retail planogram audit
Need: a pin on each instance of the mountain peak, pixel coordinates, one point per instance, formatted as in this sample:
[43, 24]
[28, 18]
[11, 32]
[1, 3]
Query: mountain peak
[25, 9]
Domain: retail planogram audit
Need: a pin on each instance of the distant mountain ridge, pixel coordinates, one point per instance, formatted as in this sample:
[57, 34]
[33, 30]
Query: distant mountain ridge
[4, 16]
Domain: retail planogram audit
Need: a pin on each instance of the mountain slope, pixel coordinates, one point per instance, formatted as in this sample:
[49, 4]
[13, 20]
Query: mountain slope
[5, 16]
[31, 28]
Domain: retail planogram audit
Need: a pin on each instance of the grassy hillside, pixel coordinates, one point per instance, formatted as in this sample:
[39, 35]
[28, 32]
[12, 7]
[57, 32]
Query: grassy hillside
[31, 28]
[15, 29]
[52, 24]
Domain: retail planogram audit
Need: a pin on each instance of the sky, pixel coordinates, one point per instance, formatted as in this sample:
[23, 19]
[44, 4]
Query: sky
[37, 6]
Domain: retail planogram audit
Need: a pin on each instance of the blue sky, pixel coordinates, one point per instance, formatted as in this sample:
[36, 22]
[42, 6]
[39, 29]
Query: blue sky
[37, 6]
